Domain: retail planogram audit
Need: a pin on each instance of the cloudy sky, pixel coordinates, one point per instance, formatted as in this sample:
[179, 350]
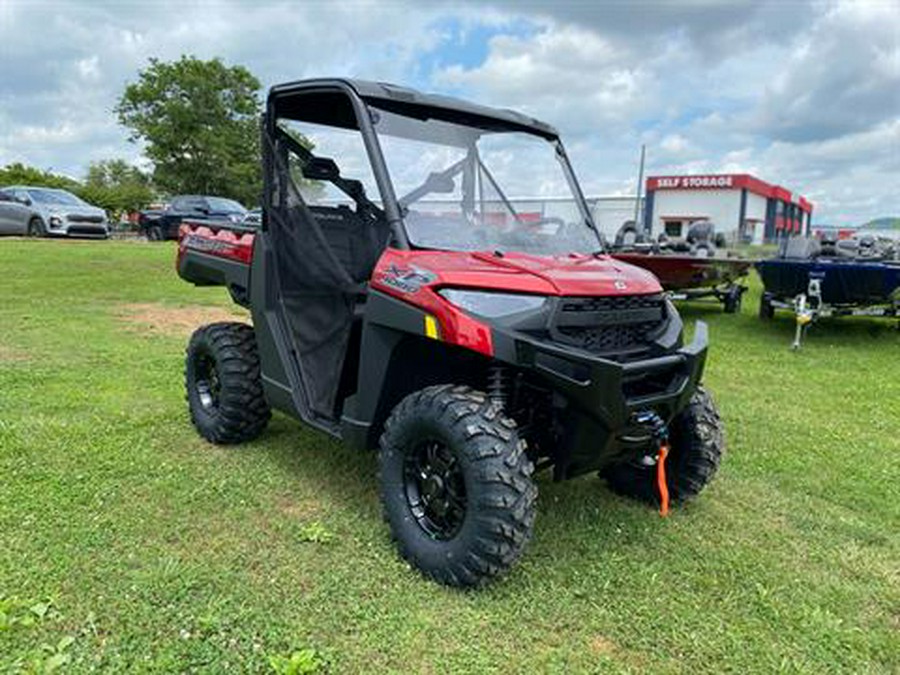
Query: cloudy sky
[805, 94]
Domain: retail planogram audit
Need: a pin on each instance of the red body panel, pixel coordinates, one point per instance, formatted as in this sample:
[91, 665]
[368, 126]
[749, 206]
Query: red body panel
[679, 272]
[571, 275]
[416, 276]
[218, 242]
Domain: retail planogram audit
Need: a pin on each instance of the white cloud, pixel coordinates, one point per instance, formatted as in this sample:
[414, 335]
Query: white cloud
[842, 76]
[674, 144]
[806, 94]
[567, 74]
[813, 109]
[89, 68]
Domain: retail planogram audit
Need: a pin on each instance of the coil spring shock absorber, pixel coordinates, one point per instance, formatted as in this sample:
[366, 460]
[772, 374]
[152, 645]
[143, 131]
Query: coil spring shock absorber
[498, 385]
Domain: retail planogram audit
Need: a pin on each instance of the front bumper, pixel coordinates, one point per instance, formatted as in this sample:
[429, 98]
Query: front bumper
[599, 396]
[78, 229]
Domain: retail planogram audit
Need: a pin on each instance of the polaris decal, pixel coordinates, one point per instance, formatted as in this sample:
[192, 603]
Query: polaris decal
[407, 280]
[198, 243]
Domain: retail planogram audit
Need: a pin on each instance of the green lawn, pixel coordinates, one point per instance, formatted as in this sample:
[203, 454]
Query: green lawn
[156, 552]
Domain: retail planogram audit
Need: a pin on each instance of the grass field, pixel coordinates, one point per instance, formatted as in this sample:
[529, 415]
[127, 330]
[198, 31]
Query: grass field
[127, 544]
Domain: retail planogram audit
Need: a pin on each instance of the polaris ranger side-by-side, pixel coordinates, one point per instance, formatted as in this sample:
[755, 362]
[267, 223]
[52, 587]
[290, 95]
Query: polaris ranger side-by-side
[471, 339]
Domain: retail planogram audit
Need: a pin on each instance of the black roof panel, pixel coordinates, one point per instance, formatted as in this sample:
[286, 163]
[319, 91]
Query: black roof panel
[395, 96]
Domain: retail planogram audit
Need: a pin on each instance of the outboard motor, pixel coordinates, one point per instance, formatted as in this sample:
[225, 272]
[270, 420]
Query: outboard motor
[662, 242]
[700, 238]
[628, 235]
[700, 231]
[828, 241]
[868, 247]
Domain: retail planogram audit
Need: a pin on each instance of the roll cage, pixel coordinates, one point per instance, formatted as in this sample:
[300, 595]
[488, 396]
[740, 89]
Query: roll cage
[346, 104]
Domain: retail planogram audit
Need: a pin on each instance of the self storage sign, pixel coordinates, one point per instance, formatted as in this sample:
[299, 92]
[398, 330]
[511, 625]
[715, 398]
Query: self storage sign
[693, 182]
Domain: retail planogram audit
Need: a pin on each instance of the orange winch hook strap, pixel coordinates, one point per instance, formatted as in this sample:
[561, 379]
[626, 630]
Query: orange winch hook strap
[661, 484]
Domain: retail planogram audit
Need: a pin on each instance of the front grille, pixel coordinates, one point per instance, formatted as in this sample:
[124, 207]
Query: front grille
[85, 231]
[80, 218]
[617, 325]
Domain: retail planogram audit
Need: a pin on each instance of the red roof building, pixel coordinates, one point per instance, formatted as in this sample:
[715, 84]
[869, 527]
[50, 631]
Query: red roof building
[742, 206]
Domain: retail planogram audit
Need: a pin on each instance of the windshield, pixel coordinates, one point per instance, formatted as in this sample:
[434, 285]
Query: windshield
[223, 205]
[54, 197]
[478, 188]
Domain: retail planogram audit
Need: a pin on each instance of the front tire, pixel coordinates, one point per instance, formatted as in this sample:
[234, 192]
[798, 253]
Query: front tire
[36, 228]
[154, 233]
[697, 443]
[224, 387]
[456, 485]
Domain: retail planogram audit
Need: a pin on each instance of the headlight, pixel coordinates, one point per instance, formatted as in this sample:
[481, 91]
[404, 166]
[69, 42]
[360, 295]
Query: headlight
[492, 305]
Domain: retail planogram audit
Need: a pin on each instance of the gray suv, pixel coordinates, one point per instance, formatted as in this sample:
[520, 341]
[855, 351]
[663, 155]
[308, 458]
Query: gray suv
[42, 212]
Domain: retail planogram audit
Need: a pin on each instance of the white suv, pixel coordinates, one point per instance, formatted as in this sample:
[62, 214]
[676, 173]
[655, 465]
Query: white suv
[42, 212]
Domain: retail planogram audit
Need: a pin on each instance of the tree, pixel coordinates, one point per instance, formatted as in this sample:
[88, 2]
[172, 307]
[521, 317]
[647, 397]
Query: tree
[117, 186]
[21, 174]
[199, 121]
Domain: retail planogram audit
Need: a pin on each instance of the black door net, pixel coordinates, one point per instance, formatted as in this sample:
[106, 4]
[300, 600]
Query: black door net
[324, 257]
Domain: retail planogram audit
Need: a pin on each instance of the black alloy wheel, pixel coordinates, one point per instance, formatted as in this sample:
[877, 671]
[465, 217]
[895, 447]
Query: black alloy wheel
[435, 489]
[206, 380]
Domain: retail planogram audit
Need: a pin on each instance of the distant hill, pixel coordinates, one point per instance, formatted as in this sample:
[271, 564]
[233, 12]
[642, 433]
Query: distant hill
[892, 223]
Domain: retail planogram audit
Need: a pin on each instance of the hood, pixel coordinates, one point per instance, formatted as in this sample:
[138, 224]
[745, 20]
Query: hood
[568, 275]
[75, 209]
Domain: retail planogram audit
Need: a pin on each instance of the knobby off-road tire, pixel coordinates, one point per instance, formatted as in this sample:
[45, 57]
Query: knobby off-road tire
[224, 388]
[696, 446]
[456, 485]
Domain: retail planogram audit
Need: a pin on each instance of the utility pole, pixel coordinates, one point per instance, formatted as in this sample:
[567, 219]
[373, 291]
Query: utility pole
[637, 198]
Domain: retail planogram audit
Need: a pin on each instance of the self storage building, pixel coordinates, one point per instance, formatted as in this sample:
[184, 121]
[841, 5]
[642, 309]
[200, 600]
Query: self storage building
[742, 207]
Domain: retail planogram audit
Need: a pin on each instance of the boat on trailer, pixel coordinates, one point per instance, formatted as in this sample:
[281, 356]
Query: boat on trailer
[699, 266]
[816, 279]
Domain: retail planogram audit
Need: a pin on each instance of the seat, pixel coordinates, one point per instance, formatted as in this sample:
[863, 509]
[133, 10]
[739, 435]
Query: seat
[356, 243]
[847, 248]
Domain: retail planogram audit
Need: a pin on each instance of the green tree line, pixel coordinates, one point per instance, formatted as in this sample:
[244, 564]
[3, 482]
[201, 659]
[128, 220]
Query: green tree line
[198, 124]
[114, 185]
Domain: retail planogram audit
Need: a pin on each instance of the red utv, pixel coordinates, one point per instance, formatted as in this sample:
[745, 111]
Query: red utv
[402, 301]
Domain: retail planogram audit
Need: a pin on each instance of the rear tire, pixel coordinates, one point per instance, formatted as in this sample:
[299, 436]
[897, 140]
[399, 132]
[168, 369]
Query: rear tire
[36, 228]
[224, 387]
[456, 485]
[697, 443]
[766, 308]
[732, 303]
[154, 233]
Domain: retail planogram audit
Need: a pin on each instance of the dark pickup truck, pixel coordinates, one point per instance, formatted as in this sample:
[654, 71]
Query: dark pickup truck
[161, 224]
